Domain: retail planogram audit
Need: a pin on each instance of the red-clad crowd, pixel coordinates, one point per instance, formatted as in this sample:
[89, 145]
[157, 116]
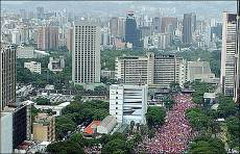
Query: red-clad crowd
[174, 135]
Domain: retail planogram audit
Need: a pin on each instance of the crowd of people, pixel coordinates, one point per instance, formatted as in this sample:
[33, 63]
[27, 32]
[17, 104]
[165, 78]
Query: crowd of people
[92, 150]
[174, 135]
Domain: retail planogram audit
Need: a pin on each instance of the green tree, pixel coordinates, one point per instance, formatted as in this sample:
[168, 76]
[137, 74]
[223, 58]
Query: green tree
[207, 145]
[155, 116]
[116, 146]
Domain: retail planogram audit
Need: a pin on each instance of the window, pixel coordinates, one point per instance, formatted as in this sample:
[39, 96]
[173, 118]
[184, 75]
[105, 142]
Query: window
[116, 108]
[116, 113]
[116, 102]
[116, 97]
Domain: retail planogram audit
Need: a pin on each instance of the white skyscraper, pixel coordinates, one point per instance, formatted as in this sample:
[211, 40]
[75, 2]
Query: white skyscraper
[86, 53]
[128, 103]
[229, 53]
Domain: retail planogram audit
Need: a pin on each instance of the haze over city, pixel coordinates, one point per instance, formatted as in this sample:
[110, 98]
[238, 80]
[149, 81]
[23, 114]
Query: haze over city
[120, 77]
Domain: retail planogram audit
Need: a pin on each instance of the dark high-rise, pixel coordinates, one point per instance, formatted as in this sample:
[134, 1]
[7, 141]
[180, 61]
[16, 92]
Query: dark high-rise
[189, 26]
[216, 32]
[7, 75]
[132, 34]
[156, 24]
[40, 13]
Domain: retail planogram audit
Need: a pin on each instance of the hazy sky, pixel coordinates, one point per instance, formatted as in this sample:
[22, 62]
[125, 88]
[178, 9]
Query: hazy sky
[202, 8]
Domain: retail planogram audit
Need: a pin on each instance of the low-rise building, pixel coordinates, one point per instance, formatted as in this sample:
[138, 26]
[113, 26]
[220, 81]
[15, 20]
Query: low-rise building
[209, 98]
[56, 64]
[199, 70]
[44, 128]
[108, 74]
[91, 129]
[25, 52]
[107, 125]
[33, 66]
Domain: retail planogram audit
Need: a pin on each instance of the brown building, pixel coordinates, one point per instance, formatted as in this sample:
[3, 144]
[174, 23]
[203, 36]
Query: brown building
[117, 26]
[7, 75]
[44, 128]
[47, 38]
[168, 24]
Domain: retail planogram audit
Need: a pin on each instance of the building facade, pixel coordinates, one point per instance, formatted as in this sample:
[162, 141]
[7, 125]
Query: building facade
[188, 28]
[7, 75]
[56, 64]
[44, 128]
[33, 66]
[228, 53]
[47, 37]
[160, 70]
[128, 103]
[132, 33]
[86, 65]
[199, 70]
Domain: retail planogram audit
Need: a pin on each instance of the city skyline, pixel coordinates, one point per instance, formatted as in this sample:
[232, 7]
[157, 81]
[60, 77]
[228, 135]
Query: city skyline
[119, 77]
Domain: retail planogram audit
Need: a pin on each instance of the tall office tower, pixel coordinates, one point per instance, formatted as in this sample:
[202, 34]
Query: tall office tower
[114, 26]
[156, 25]
[7, 75]
[228, 54]
[187, 29]
[128, 103]
[86, 65]
[194, 22]
[169, 24]
[237, 77]
[70, 39]
[121, 27]
[132, 34]
[47, 37]
[40, 13]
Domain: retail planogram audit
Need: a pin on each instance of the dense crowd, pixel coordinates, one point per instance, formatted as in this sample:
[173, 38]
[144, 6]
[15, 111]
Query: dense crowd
[174, 135]
[92, 150]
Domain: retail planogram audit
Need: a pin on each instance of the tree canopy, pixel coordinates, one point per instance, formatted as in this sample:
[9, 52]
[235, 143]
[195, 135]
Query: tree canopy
[155, 116]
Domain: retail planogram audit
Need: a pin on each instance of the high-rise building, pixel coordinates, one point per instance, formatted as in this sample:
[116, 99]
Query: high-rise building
[70, 39]
[216, 32]
[132, 33]
[40, 13]
[7, 75]
[168, 24]
[228, 54]
[131, 69]
[167, 69]
[187, 29]
[156, 25]
[86, 65]
[117, 27]
[152, 69]
[15, 127]
[128, 103]
[237, 77]
[47, 38]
